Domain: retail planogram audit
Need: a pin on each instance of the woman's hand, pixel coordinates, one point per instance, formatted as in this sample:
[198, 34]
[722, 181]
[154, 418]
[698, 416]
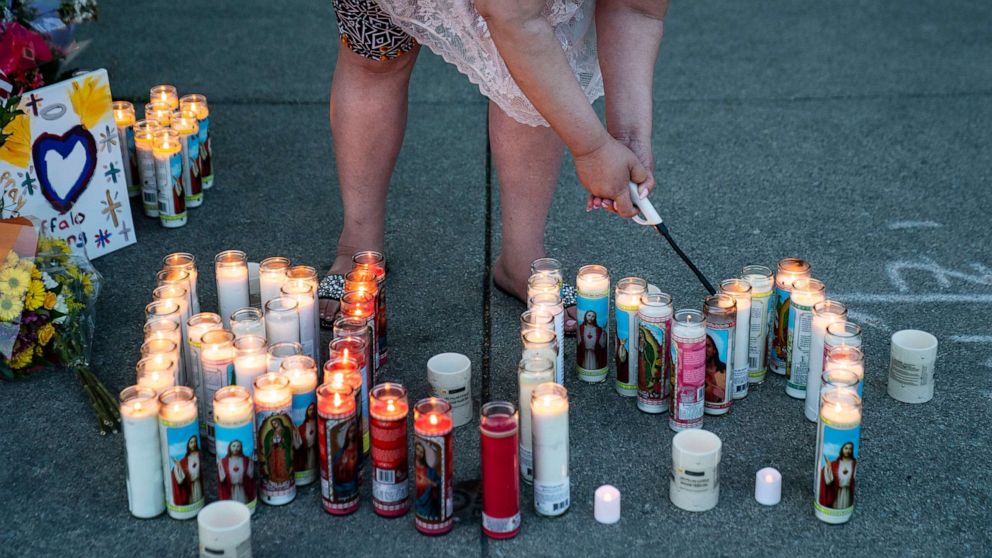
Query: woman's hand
[605, 172]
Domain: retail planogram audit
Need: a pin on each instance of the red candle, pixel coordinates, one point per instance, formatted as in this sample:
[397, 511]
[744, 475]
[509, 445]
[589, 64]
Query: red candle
[339, 453]
[433, 456]
[376, 263]
[500, 464]
[344, 370]
[361, 305]
[388, 408]
[353, 348]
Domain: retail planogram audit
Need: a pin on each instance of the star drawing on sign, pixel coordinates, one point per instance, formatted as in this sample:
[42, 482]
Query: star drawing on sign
[108, 139]
[102, 238]
[112, 172]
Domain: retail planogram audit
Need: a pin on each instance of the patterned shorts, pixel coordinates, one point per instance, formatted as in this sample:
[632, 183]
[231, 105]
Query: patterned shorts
[368, 32]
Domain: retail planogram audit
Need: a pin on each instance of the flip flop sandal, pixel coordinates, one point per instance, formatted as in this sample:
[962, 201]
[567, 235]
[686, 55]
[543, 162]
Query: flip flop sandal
[331, 287]
[568, 300]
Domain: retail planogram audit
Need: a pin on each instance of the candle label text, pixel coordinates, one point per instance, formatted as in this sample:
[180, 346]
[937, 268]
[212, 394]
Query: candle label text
[215, 374]
[706, 480]
[235, 450]
[552, 498]
[390, 489]
[837, 451]
[149, 185]
[800, 339]
[339, 454]
[183, 463]
[688, 381]
[593, 313]
[625, 339]
[434, 502]
[654, 363]
[758, 337]
[719, 365]
[305, 422]
[276, 438]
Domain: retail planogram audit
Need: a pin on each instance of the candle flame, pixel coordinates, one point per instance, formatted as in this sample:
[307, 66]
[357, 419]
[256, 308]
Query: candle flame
[769, 477]
[547, 400]
[337, 399]
[837, 406]
[338, 378]
[137, 406]
[390, 406]
[433, 420]
[607, 497]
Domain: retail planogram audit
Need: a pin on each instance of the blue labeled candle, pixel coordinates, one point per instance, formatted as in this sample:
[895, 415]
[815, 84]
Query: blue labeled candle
[185, 124]
[234, 445]
[592, 301]
[167, 151]
[789, 269]
[838, 441]
[198, 104]
[182, 460]
[302, 374]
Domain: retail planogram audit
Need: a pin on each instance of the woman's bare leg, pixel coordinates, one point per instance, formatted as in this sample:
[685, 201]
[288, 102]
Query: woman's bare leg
[368, 119]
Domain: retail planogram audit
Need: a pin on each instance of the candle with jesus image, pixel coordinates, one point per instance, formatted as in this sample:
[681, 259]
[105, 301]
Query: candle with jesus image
[433, 466]
[182, 460]
[838, 440]
[592, 286]
[275, 438]
[169, 177]
[234, 419]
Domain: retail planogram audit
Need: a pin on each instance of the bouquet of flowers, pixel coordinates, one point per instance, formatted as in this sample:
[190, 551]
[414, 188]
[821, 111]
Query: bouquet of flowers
[47, 305]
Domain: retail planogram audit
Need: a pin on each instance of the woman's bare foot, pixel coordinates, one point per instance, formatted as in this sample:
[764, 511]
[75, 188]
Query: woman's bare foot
[514, 282]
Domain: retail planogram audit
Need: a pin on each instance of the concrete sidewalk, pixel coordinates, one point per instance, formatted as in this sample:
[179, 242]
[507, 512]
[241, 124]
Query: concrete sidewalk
[853, 134]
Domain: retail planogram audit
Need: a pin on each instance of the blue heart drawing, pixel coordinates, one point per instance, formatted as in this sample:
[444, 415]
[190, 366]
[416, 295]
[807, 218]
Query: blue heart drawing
[64, 145]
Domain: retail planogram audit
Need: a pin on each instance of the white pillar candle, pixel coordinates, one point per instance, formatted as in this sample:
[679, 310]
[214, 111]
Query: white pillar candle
[173, 287]
[549, 429]
[247, 321]
[281, 351]
[275, 436]
[694, 484]
[282, 322]
[300, 291]
[271, 276]
[531, 372]
[224, 529]
[301, 371]
[825, 312]
[606, 508]
[592, 303]
[182, 458]
[912, 364]
[196, 327]
[541, 343]
[217, 363]
[234, 446]
[231, 270]
[251, 360]
[741, 291]
[157, 372]
[309, 275]
[762, 282]
[805, 294]
[551, 303]
[627, 303]
[450, 378]
[768, 486]
[850, 359]
[184, 261]
[789, 269]
[541, 283]
[139, 421]
[838, 440]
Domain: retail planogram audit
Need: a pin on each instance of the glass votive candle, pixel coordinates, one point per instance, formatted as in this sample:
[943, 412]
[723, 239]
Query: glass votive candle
[247, 321]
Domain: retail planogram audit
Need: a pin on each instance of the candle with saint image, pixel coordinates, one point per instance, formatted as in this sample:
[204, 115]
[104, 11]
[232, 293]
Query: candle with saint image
[234, 419]
[354, 348]
[196, 327]
[271, 276]
[217, 365]
[531, 372]
[346, 369]
[302, 373]
[185, 125]
[789, 270]
[182, 460]
[388, 409]
[274, 438]
[740, 290]
[825, 312]
[551, 303]
[198, 104]
[139, 422]
[762, 282]
[433, 464]
[124, 119]
[308, 275]
[231, 270]
[157, 372]
[499, 431]
[361, 305]
[627, 303]
[838, 440]
[806, 293]
[592, 302]
[549, 428]
[144, 137]
[184, 261]
[280, 351]
[720, 311]
[376, 262]
[653, 352]
[688, 371]
[850, 359]
[306, 310]
[164, 95]
[167, 151]
[247, 321]
[339, 452]
[251, 360]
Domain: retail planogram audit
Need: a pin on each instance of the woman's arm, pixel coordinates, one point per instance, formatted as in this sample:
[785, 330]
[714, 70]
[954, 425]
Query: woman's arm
[534, 56]
[628, 38]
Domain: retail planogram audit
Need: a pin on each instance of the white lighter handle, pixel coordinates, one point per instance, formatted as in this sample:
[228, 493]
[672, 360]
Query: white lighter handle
[650, 215]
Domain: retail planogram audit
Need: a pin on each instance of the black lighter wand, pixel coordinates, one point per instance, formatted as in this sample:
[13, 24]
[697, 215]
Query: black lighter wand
[651, 217]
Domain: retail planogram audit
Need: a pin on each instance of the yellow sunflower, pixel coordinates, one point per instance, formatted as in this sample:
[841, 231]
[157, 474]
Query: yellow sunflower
[11, 259]
[90, 100]
[50, 300]
[14, 281]
[36, 295]
[10, 307]
[17, 149]
[45, 334]
[22, 359]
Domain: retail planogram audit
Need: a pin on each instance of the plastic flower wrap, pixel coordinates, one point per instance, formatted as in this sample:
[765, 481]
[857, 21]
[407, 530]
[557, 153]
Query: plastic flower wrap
[48, 299]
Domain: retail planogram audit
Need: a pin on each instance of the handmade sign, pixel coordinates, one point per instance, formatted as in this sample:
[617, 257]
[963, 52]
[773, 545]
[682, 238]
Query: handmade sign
[61, 163]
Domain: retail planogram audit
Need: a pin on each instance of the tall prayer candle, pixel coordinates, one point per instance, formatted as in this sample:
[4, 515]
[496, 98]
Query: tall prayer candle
[361, 305]
[539, 318]
[592, 286]
[721, 318]
[282, 321]
[740, 290]
[376, 262]
[434, 466]
[350, 346]
[547, 267]
[124, 119]
[185, 125]
[144, 137]
[234, 418]
[540, 343]
[789, 269]
[163, 309]
[231, 270]
[627, 303]
[251, 360]
[688, 370]
[185, 261]
[247, 321]
[164, 350]
[157, 372]
[339, 451]
[346, 369]
[850, 359]
[499, 432]
[164, 95]
[838, 439]
[196, 327]
[549, 428]
[654, 352]
[841, 334]
[174, 289]
[162, 328]
[217, 364]
[307, 274]
[160, 113]
[271, 276]
[762, 286]
[139, 421]
[169, 176]
[306, 310]
[182, 460]
[542, 284]
[388, 408]
[275, 434]
[806, 293]
[302, 373]
[551, 303]
[280, 351]
[825, 313]
[198, 104]
[531, 372]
